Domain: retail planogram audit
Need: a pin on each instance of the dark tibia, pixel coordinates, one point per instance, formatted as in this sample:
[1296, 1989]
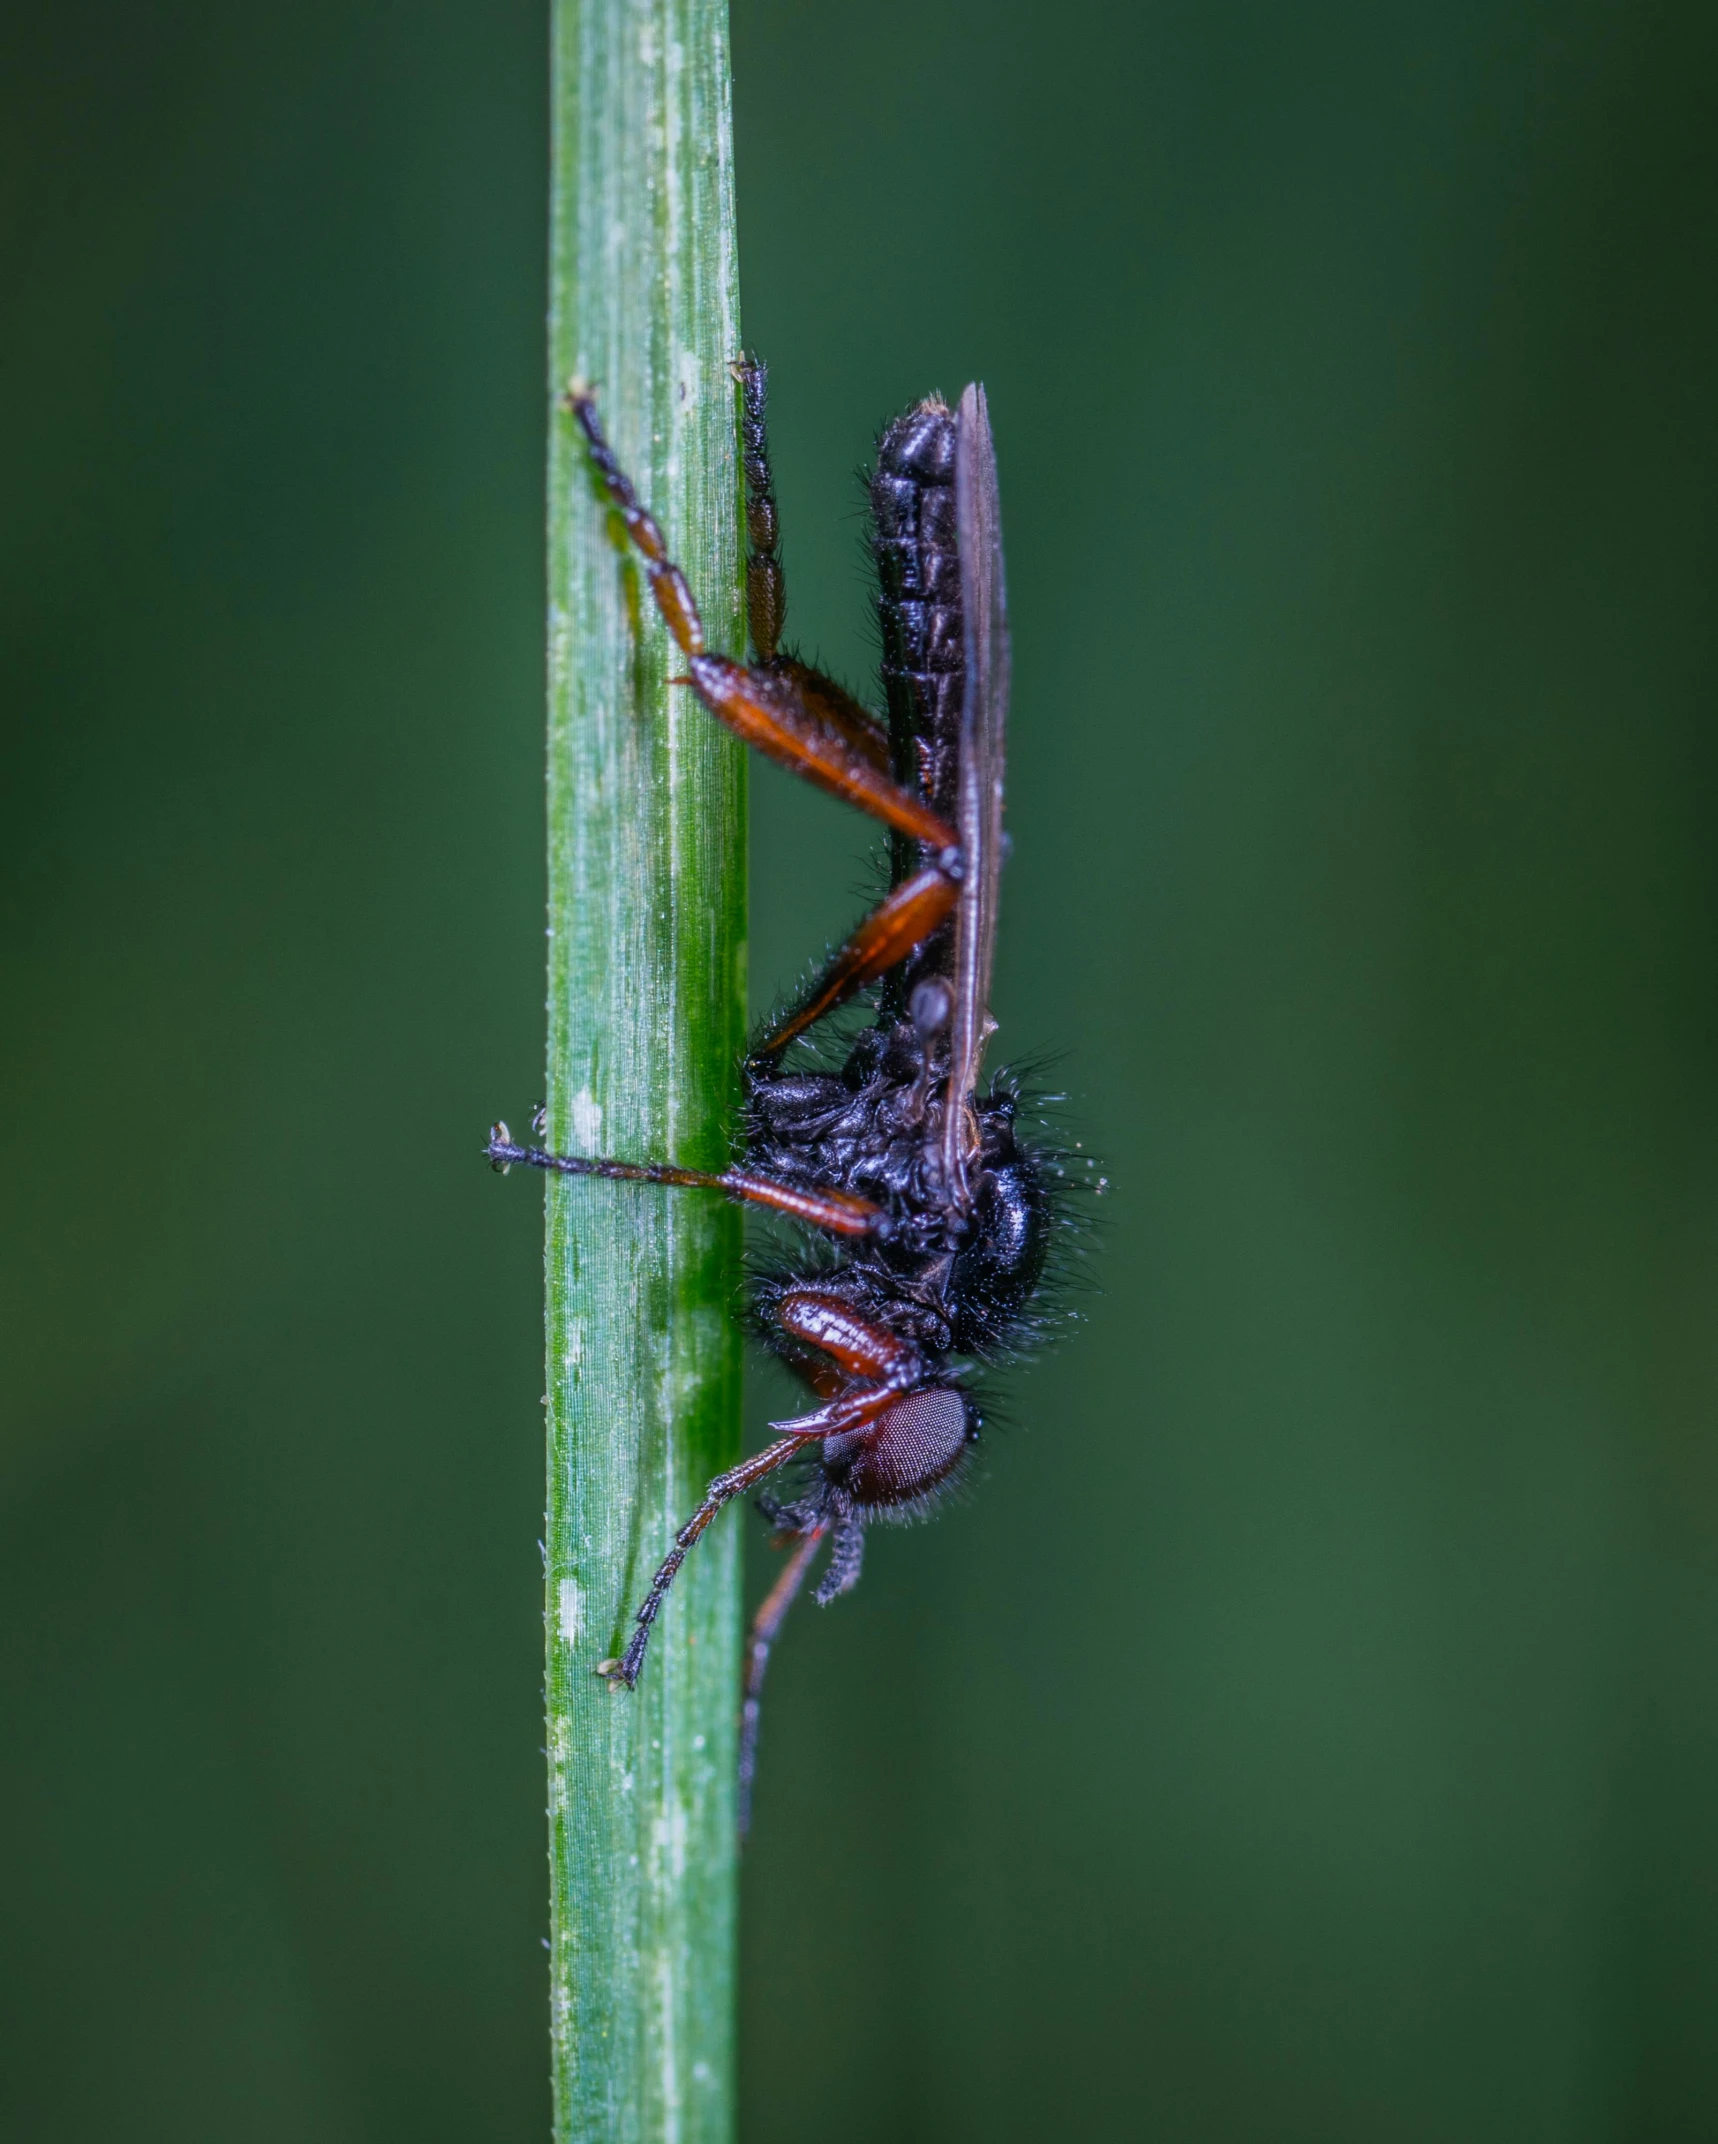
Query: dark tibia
[766, 587]
[842, 1213]
[503, 1151]
[768, 1620]
[721, 1491]
[766, 591]
[845, 1559]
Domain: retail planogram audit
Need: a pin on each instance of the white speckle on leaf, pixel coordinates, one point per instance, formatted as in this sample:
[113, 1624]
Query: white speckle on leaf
[587, 1123]
[560, 1766]
[572, 1603]
[670, 1836]
[665, 1980]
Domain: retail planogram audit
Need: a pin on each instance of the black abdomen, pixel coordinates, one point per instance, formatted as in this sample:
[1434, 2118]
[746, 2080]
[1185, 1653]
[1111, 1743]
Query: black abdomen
[919, 609]
[918, 599]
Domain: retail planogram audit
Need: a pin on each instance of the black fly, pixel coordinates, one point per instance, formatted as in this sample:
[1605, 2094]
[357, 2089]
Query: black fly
[936, 1218]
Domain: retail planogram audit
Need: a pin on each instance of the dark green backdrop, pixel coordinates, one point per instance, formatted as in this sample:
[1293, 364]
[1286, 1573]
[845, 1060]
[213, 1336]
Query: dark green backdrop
[1309, 1731]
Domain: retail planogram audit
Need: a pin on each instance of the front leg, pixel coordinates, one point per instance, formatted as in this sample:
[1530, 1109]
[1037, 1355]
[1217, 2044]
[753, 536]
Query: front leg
[721, 1491]
[873, 1363]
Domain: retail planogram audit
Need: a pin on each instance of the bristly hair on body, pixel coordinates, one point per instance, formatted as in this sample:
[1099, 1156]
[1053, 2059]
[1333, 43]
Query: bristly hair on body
[931, 1216]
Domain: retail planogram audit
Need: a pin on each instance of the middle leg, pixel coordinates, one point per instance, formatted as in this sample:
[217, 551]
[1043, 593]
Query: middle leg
[899, 924]
[842, 1213]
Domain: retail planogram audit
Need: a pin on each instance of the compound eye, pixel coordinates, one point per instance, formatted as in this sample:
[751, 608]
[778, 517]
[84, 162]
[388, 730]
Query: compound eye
[909, 1450]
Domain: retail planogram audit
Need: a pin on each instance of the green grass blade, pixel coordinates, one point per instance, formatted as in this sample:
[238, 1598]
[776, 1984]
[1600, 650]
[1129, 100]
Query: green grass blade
[646, 1023]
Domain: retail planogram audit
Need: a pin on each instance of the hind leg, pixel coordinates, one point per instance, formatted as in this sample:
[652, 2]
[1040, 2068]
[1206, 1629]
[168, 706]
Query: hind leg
[766, 587]
[780, 707]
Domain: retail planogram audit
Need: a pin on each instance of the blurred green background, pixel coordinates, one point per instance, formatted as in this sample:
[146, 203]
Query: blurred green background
[1309, 1731]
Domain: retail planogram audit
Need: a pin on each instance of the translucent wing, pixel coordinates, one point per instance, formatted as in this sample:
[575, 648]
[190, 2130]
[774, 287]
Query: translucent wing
[984, 716]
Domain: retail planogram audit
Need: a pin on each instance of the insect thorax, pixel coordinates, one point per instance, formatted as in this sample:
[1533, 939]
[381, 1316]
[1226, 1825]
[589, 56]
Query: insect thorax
[956, 1282]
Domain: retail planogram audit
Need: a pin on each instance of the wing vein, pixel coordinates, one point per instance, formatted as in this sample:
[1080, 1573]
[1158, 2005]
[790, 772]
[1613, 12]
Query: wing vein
[984, 716]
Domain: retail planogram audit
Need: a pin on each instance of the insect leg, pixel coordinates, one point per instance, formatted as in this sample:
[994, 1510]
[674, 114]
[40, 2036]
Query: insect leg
[721, 1491]
[667, 583]
[903, 920]
[765, 1624]
[768, 710]
[833, 707]
[846, 1558]
[829, 703]
[863, 1347]
[766, 591]
[841, 1212]
[877, 1365]
[784, 711]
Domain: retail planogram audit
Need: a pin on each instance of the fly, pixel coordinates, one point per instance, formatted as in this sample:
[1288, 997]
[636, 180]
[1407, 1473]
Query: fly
[935, 1217]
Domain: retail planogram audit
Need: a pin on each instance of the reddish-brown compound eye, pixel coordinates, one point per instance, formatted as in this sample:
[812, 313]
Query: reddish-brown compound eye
[905, 1453]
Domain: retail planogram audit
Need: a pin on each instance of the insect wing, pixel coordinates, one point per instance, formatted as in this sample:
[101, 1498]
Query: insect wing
[984, 716]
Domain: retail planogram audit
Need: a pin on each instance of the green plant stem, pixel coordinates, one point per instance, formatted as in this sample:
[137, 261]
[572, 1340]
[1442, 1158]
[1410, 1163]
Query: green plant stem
[646, 1025]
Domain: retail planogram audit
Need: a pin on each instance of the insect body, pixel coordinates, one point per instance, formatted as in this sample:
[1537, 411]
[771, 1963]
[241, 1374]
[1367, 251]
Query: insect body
[934, 1217]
